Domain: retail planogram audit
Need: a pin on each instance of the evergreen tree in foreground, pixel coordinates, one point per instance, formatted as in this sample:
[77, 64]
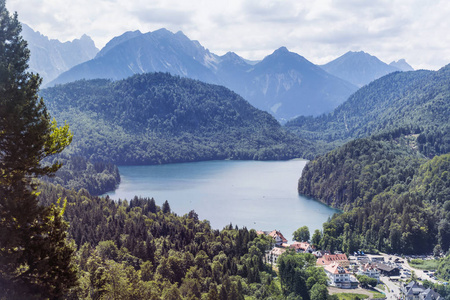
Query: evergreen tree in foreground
[35, 260]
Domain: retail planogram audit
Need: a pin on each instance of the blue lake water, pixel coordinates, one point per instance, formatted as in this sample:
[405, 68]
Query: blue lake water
[256, 194]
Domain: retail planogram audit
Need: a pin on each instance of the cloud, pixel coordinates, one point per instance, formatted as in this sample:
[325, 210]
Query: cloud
[319, 30]
[163, 15]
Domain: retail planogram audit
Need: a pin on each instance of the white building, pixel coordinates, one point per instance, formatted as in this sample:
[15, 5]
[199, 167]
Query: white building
[274, 254]
[369, 270]
[337, 275]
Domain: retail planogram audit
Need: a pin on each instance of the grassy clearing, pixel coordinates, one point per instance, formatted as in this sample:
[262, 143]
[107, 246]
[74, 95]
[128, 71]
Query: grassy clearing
[424, 264]
[377, 295]
[350, 296]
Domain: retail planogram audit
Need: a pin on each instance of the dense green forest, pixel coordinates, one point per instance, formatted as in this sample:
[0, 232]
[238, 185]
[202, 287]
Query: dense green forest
[402, 103]
[138, 250]
[393, 199]
[158, 118]
[79, 173]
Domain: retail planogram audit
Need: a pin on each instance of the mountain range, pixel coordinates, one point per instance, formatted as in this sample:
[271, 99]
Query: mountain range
[283, 83]
[50, 57]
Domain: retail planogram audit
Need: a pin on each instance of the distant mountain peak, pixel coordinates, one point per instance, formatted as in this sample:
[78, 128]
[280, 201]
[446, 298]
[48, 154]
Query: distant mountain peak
[281, 50]
[402, 65]
[358, 67]
[118, 40]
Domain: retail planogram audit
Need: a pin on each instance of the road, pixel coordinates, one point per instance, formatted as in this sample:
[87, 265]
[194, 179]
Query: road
[392, 290]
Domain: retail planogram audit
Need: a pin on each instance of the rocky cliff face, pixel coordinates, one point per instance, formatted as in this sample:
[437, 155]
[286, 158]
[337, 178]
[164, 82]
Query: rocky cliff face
[51, 57]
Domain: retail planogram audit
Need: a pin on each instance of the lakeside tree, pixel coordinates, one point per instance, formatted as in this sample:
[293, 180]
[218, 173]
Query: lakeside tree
[316, 238]
[35, 259]
[302, 234]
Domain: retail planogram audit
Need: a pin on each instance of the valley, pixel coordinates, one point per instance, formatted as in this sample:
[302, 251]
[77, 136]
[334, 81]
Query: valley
[155, 169]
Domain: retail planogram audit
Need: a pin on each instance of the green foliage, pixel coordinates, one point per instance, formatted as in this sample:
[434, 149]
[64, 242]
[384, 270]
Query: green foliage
[299, 276]
[354, 173]
[35, 258]
[444, 268]
[351, 296]
[302, 234]
[367, 281]
[316, 238]
[158, 118]
[409, 107]
[136, 250]
[425, 264]
[77, 172]
[393, 200]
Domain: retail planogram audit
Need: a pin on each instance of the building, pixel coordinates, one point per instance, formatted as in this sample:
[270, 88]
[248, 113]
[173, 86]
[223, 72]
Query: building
[388, 270]
[320, 253]
[274, 254]
[278, 237]
[337, 275]
[369, 270]
[328, 259]
[302, 247]
[416, 291]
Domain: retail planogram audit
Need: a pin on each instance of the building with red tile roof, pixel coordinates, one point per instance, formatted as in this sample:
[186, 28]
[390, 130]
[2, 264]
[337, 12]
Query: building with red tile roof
[328, 259]
[302, 247]
[278, 237]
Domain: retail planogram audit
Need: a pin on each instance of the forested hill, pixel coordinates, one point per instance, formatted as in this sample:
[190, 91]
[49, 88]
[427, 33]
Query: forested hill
[393, 199]
[138, 250]
[397, 104]
[158, 118]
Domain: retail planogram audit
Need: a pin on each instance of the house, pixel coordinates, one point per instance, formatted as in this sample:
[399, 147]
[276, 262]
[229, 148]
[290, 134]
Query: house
[337, 275]
[388, 270]
[369, 270]
[320, 253]
[274, 254]
[302, 247]
[430, 294]
[278, 237]
[416, 291]
[328, 259]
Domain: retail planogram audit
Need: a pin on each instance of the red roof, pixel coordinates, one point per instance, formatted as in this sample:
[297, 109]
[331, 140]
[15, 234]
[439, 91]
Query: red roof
[300, 245]
[330, 258]
[275, 233]
[335, 268]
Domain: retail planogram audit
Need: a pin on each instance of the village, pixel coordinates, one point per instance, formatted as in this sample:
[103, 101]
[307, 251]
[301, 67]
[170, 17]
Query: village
[391, 270]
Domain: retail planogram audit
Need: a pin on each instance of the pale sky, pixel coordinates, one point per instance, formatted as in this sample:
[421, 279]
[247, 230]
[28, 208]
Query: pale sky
[320, 30]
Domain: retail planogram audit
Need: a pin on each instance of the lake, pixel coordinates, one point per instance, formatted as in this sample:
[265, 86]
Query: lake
[256, 194]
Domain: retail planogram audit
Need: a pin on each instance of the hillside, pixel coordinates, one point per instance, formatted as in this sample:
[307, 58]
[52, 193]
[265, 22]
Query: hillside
[138, 250]
[359, 68]
[284, 83]
[393, 200]
[158, 118]
[402, 103]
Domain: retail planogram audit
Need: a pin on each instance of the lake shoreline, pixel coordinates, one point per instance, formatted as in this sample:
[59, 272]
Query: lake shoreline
[255, 194]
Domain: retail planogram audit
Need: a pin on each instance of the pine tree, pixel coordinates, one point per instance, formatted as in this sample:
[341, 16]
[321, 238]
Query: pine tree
[35, 258]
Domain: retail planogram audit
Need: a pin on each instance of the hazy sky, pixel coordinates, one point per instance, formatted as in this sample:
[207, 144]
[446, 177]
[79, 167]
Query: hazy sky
[320, 30]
